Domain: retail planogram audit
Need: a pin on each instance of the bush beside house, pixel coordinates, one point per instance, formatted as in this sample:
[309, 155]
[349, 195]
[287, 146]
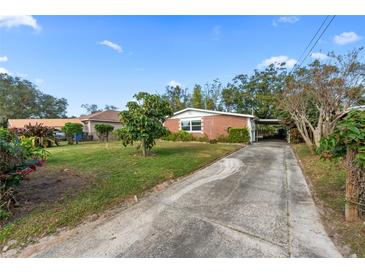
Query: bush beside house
[235, 135]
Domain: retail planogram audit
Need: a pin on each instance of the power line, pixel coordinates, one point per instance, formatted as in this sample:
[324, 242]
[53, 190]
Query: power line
[320, 36]
[309, 44]
[329, 23]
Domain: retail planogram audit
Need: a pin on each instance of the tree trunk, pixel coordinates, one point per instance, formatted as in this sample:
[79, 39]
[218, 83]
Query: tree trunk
[317, 137]
[144, 150]
[355, 188]
[302, 130]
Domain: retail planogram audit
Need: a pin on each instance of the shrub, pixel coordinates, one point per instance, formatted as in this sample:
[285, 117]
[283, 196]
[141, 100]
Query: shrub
[181, 135]
[238, 135]
[348, 140]
[203, 139]
[72, 129]
[31, 150]
[11, 156]
[17, 159]
[223, 139]
[42, 136]
[295, 136]
[103, 131]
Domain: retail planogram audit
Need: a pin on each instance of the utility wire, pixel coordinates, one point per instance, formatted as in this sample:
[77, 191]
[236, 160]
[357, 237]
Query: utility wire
[320, 36]
[309, 44]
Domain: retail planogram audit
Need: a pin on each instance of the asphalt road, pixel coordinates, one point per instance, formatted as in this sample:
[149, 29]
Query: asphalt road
[254, 203]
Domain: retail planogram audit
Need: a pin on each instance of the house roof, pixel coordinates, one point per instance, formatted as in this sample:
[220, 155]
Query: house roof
[214, 112]
[56, 123]
[105, 116]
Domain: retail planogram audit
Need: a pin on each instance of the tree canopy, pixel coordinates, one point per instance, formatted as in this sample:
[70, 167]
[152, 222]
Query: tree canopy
[20, 98]
[94, 108]
[177, 97]
[103, 131]
[143, 120]
[257, 93]
[71, 129]
[318, 95]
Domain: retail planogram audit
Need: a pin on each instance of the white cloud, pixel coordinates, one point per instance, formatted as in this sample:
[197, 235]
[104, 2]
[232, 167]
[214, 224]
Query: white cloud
[4, 58]
[4, 70]
[277, 61]
[111, 45]
[16, 21]
[285, 20]
[174, 83]
[39, 81]
[346, 38]
[319, 56]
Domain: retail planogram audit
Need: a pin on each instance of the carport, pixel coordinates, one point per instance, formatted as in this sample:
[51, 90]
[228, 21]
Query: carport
[261, 134]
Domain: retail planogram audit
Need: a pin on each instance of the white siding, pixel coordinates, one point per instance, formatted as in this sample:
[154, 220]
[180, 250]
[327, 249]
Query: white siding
[192, 114]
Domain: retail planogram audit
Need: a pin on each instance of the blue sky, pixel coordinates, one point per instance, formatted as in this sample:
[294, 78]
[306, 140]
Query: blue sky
[107, 59]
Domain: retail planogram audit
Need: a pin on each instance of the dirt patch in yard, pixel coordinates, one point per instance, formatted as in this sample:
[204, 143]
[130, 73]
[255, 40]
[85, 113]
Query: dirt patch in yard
[44, 187]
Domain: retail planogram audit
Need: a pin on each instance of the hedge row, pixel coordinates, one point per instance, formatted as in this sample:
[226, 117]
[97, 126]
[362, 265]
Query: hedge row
[235, 135]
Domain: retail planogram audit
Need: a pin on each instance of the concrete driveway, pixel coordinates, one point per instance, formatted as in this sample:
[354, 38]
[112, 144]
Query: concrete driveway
[254, 203]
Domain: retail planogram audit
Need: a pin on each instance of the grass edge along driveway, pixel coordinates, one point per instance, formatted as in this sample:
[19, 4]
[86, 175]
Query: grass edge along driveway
[119, 173]
[327, 182]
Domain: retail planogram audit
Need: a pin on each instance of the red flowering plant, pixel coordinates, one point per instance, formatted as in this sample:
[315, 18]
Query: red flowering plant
[18, 158]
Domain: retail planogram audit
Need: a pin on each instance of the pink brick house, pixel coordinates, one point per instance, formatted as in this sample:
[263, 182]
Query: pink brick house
[211, 123]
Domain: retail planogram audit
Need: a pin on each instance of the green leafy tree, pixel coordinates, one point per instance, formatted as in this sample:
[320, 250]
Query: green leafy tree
[212, 95]
[197, 97]
[143, 121]
[257, 93]
[177, 97]
[91, 109]
[103, 131]
[110, 107]
[348, 140]
[71, 130]
[20, 99]
[94, 108]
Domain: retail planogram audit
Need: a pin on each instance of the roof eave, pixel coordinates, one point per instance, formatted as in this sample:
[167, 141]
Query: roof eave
[214, 112]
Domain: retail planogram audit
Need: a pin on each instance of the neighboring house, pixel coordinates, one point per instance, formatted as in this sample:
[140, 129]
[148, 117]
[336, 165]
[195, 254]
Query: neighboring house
[110, 117]
[54, 123]
[211, 123]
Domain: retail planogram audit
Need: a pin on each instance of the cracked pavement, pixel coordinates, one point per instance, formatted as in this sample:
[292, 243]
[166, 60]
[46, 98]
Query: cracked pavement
[253, 203]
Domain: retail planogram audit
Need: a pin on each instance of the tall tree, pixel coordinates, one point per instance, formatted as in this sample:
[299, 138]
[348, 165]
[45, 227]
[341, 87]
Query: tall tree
[256, 93]
[20, 98]
[110, 107]
[212, 95]
[319, 95]
[197, 97]
[91, 109]
[143, 120]
[94, 108]
[177, 96]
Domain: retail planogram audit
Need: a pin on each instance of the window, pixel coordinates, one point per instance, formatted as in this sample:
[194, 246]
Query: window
[191, 125]
[196, 125]
[185, 125]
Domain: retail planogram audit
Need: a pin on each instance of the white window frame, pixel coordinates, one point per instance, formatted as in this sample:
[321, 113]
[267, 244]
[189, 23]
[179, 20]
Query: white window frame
[190, 120]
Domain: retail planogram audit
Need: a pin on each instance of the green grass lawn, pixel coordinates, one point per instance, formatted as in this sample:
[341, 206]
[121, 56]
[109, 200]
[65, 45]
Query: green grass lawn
[328, 183]
[116, 173]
